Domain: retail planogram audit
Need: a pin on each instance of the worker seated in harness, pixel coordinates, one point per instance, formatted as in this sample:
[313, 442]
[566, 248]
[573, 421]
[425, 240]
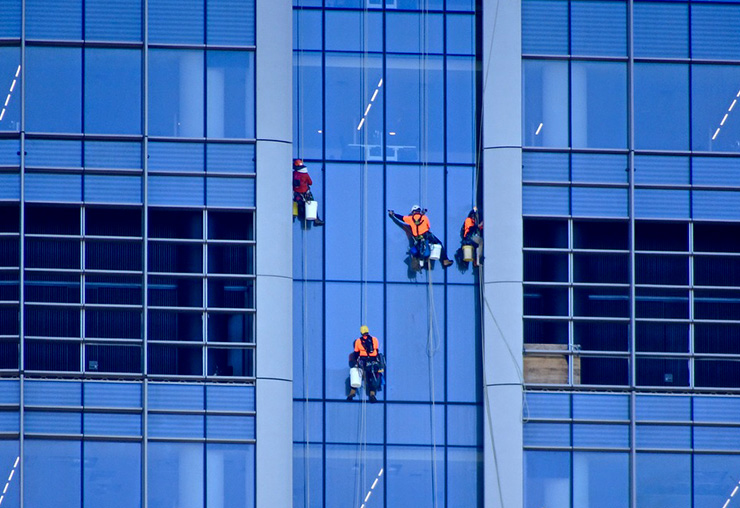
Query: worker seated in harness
[304, 204]
[417, 224]
[471, 234]
[367, 363]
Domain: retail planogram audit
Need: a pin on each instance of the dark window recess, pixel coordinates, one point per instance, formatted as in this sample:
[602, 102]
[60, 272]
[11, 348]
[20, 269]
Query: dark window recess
[230, 362]
[175, 258]
[652, 269]
[230, 327]
[9, 286]
[175, 360]
[545, 233]
[10, 218]
[113, 323]
[48, 253]
[662, 303]
[716, 271]
[10, 254]
[710, 237]
[721, 338]
[9, 354]
[611, 235]
[106, 358]
[224, 225]
[545, 267]
[52, 287]
[113, 222]
[661, 236]
[601, 268]
[185, 224]
[175, 326]
[537, 331]
[655, 337]
[52, 220]
[233, 259]
[231, 293]
[717, 373]
[113, 289]
[601, 336]
[604, 371]
[719, 304]
[545, 301]
[9, 320]
[662, 372]
[113, 255]
[52, 356]
[175, 292]
[601, 302]
[50, 322]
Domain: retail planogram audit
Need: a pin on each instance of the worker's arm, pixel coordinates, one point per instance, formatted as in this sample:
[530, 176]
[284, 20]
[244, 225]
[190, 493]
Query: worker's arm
[398, 219]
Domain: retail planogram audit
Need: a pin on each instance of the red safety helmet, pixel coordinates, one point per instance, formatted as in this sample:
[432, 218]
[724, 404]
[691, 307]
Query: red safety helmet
[298, 164]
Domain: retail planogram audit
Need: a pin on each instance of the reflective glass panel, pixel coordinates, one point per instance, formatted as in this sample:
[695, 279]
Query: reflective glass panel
[10, 89]
[55, 108]
[176, 92]
[595, 473]
[230, 100]
[715, 124]
[712, 31]
[599, 104]
[662, 106]
[714, 478]
[663, 479]
[112, 91]
[598, 28]
[112, 474]
[52, 473]
[661, 29]
[176, 21]
[230, 22]
[545, 103]
[545, 27]
[412, 475]
[119, 21]
[546, 479]
[460, 110]
[230, 473]
[175, 473]
[54, 19]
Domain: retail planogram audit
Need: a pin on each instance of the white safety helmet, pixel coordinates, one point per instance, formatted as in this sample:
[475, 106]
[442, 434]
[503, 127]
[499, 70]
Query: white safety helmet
[415, 209]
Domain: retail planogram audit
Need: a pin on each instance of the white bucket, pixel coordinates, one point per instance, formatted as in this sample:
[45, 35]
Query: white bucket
[312, 210]
[355, 377]
[435, 251]
[468, 252]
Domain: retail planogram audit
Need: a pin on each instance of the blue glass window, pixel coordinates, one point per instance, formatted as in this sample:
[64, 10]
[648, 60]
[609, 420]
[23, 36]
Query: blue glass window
[597, 472]
[415, 121]
[410, 476]
[661, 106]
[721, 468]
[545, 167]
[10, 22]
[54, 19]
[53, 187]
[651, 169]
[661, 203]
[176, 91]
[341, 469]
[663, 437]
[228, 158]
[538, 200]
[713, 29]
[599, 104]
[230, 192]
[176, 476]
[663, 479]
[53, 473]
[10, 89]
[112, 154]
[463, 474]
[719, 205]
[462, 424]
[430, 432]
[411, 32]
[655, 407]
[119, 21]
[715, 171]
[10, 152]
[55, 153]
[354, 112]
[600, 407]
[348, 31]
[113, 189]
[231, 475]
[230, 22]
[545, 103]
[230, 397]
[464, 356]
[112, 91]
[460, 110]
[308, 352]
[176, 190]
[715, 115]
[599, 202]
[545, 27]
[9, 458]
[176, 21]
[460, 34]
[661, 29]
[176, 396]
[230, 101]
[342, 426]
[544, 472]
[176, 157]
[308, 26]
[599, 168]
[308, 129]
[109, 394]
[55, 108]
[598, 28]
[112, 474]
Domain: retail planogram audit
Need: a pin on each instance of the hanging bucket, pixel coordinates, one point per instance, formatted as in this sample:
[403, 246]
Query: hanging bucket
[355, 377]
[435, 251]
[468, 253]
[295, 209]
[312, 210]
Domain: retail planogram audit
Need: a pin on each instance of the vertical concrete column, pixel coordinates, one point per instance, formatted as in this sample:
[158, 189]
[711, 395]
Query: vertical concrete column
[503, 307]
[274, 83]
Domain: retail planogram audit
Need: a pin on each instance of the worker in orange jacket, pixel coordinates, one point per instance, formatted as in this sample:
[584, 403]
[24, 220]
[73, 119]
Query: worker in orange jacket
[367, 356]
[302, 187]
[417, 224]
[471, 233]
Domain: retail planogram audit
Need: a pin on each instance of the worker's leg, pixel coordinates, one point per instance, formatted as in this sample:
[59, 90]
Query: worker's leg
[443, 254]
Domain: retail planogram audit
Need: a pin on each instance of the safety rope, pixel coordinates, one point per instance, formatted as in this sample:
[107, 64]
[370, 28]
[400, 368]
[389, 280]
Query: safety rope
[306, 364]
[433, 344]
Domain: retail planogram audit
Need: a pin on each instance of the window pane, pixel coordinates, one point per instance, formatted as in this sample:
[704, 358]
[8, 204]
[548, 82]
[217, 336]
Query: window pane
[661, 29]
[119, 21]
[545, 104]
[712, 29]
[598, 28]
[405, 32]
[230, 22]
[663, 479]
[54, 108]
[600, 336]
[230, 476]
[545, 27]
[54, 19]
[175, 473]
[661, 106]
[112, 474]
[546, 479]
[342, 469]
[346, 30]
[410, 476]
[176, 91]
[10, 89]
[662, 337]
[230, 100]
[10, 22]
[599, 104]
[176, 21]
[112, 91]
[715, 124]
[53, 473]
[308, 128]
[722, 470]
[654, 169]
[460, 104]
[662, 372]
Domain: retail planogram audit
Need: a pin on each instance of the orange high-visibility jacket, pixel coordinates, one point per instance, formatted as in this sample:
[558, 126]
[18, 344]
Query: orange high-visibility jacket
[418, 223]
[359, 348]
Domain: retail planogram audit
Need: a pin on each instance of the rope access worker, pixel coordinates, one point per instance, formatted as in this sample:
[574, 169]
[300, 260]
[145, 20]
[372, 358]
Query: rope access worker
[418, 224]
[302, 189]
[471, 234]
[367, 357]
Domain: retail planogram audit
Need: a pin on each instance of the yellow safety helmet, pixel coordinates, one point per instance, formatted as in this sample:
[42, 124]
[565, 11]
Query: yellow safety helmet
[364, 329]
